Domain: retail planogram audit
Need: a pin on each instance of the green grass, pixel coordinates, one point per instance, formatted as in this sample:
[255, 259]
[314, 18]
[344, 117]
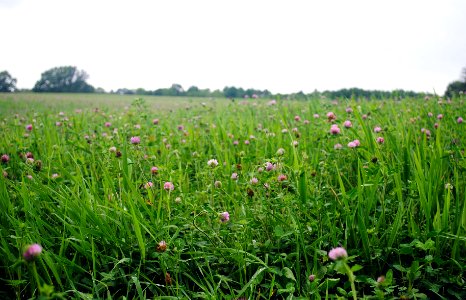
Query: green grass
[398, 208]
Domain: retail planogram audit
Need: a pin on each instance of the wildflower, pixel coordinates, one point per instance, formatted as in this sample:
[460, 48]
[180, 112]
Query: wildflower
[112, 149]
[312, 277]
[295, 143]
[30, 161]
[168, 186]
[180, 127]
[426, 131]
[5, 158]
[254, 180]
[154, 170]
[331, 116]
[334, 129]
[316, 116]
[269, 166]
[32, 251]
[357, 142]
[352, 145]
[380, 140]
[178, 200]
[436, 125]
[377, 129]
[58, 124]
[148, 185]
[295, 129]
[306, 122]
[364, 116]
[135, 140]
[459, 120]
[155, 121]
[439, 116]
[55, 176]
[235, 143]
[348, 124]
[29, 176]
[224, 217]
[260, 170]
[337, 146]
[218, 184]
[161, 246]
[337, 253]
[349, 110]
[212, 163]
[107, 124]
[429, 114]
[297, 118]
[234, 176]
[272, 102]
[284, 130]
[281, 177]
[246, 142]
[29, 127]
[381, 279]
[280, 151]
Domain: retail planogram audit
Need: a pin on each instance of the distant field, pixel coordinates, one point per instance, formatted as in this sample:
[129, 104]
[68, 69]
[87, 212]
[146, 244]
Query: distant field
[17, 102]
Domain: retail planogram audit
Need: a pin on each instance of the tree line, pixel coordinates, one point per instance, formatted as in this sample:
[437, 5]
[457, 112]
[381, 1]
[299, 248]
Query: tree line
[69, 79]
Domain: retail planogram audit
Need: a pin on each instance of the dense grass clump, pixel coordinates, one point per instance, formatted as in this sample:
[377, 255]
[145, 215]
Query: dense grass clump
[219, 199]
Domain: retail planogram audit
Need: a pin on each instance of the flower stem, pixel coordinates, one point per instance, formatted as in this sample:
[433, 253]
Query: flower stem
[36, 275]
[351, 278]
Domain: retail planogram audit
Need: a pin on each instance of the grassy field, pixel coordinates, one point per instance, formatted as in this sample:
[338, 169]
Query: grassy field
[27, 102]
[112, 197]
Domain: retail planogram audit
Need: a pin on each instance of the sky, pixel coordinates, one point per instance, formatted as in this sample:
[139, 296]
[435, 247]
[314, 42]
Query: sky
[282, 46]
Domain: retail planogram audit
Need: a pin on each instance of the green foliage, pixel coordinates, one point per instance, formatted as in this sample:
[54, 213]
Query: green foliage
[65, 79]
[455, 88]
[7, 82]
[397, 207]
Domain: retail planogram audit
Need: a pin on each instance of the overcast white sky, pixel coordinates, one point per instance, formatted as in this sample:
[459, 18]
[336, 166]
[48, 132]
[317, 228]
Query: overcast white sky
[283, 46]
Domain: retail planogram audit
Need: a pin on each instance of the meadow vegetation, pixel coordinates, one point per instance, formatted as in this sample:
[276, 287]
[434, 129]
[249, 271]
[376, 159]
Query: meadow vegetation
[111, 197]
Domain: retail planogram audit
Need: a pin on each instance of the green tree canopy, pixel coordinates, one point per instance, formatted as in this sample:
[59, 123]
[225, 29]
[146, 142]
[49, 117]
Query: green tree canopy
[7, 82]
[67, 79]
[455, 87]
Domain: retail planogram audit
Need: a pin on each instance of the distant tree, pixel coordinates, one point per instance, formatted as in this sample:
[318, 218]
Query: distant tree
[176, 90]
[141, 91]
[65, 79]
[217, 94]
[124, 91]
[193, 91]
[7, 83]
[455, 87]
[230, 92]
